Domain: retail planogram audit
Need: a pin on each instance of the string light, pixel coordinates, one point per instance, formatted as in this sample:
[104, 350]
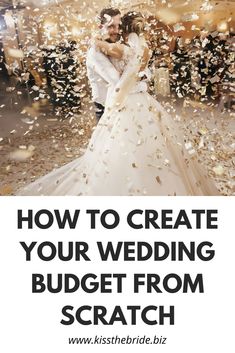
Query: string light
[222, 26]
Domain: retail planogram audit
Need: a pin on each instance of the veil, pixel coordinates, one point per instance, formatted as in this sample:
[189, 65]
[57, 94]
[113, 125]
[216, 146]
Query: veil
[133, 54]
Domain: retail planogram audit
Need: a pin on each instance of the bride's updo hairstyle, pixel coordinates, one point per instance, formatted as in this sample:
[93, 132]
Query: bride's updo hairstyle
[133, 22]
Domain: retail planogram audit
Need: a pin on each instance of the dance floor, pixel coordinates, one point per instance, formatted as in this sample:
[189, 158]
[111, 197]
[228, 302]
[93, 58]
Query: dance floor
[33, 141]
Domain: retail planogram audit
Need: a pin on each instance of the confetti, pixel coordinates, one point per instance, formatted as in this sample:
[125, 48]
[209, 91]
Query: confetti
[54, 88]
[20, 155]
[158, 180]
[218, 170]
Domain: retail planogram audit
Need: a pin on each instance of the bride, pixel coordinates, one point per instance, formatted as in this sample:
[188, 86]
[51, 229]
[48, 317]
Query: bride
[137, 148]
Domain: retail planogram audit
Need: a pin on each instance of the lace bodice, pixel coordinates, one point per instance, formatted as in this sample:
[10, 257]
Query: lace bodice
[118, 64]
[121, 64]
[130, 68]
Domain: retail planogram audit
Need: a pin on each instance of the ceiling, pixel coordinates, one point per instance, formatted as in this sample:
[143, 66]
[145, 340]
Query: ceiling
[178, 5]
[168, 11]
[34, 3]
[172, 11]
[175, 5]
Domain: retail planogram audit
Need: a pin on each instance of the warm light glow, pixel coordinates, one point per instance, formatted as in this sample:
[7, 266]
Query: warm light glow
[222, 27]
[15, 53]
[51, 27]
[168, 16]
[76, 31]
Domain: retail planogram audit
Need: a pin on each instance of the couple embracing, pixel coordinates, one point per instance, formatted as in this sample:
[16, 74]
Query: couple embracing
[104, 66]
[137, 148]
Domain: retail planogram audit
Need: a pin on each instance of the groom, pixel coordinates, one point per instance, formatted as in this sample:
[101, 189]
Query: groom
[100, 70]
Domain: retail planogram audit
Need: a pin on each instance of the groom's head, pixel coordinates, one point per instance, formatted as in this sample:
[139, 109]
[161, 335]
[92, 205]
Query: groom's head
[111, 19]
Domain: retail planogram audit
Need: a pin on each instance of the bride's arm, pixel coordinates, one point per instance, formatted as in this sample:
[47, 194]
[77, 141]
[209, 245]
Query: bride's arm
[114, 50]
[145, 59]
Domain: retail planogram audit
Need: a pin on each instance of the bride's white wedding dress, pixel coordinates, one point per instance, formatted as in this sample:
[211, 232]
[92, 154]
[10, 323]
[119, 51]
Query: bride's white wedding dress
[136, 149]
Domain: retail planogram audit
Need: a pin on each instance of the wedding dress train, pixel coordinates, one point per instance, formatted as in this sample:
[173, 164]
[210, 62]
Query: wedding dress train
[136, 149]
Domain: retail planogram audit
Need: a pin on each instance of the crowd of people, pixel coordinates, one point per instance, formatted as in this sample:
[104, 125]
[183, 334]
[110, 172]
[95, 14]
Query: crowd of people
[201, 68]
[137, 147]
[62, 75]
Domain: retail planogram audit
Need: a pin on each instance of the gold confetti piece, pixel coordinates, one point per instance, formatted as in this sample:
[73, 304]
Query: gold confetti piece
[15, 53]
[203, 131]
[188, 146]
[158, 180]
[31, 148]
[218, 170]
[134, 165]
[10, 89]
[35, 88]
[20, 155]
[192, 151]
[27, 121]
[166, 162]
[232, 173]
[178, 27]
[201, 143]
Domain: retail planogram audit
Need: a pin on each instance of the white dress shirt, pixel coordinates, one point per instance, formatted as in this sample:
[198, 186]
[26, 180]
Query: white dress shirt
[101, 73]
[104, 73]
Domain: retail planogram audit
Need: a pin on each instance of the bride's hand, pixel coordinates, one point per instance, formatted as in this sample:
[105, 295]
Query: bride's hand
[99, 37]
[95, 38]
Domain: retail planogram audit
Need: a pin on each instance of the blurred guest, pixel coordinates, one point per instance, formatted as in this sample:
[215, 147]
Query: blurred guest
[61, 68]
[4, 76]
[181, 77]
